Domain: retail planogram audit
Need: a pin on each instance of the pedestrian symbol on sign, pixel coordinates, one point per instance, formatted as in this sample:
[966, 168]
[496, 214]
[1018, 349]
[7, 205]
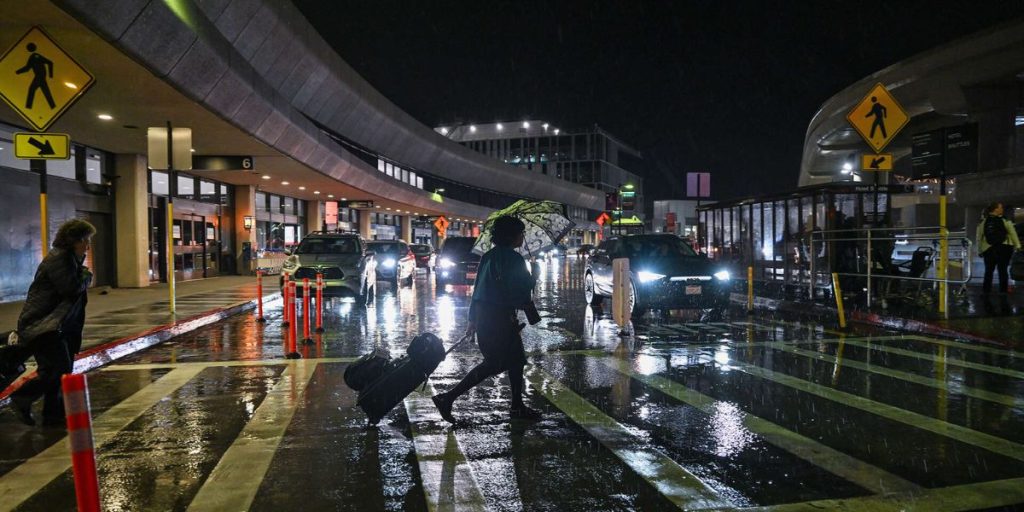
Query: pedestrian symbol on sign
[41, 68]
[878, 111]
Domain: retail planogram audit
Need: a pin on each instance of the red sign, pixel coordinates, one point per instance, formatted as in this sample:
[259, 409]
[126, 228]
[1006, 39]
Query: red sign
[601, 219]
[331, 212]
[670, 222]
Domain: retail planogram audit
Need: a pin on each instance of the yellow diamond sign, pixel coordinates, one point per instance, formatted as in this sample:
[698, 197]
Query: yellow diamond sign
[40, 80]
[878, 118]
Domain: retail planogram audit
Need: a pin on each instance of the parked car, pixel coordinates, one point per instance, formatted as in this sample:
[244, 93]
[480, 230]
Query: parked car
[347, 269]
[585, 250]
[395, 261]
[456, 262]
[553, 252]
[425, 257]
[666, 273]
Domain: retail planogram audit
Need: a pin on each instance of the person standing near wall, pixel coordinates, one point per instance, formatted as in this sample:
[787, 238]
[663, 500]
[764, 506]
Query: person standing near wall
[52, 320]
[997, 239]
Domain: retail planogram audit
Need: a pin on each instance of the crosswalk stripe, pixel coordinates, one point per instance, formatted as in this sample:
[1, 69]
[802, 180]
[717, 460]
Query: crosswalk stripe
[956, 432]
[952, 344]
[984, 495]
[930, 357]
[447, 477]
[896, 374]
[31, 476]
[673, 481]
[211, 364]
[233, 483]
[838, 463]
[705, 327]
[682, 328]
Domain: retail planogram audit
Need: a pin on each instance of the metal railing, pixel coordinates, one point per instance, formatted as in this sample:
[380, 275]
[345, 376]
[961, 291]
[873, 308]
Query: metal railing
[956, 245]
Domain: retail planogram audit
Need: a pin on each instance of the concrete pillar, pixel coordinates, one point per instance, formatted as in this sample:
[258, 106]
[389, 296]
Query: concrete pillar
[364, 225]
[406, 225]
[132, 222]
[245, 205]
[314, 216]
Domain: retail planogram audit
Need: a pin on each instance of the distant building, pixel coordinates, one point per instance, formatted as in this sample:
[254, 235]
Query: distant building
[676, 216]
[590, 157]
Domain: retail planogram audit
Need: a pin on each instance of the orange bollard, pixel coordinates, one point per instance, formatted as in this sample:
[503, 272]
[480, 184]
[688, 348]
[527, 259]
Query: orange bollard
[83, 458]
[319, 303]
[306, 312]
[259, 297]
[284, 299]
[293, 328]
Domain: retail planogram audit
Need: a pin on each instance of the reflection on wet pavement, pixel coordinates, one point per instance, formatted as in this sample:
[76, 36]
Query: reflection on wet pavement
[749, 412]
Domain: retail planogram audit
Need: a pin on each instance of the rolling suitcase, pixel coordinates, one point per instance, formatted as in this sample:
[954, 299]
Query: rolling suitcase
[401, 376]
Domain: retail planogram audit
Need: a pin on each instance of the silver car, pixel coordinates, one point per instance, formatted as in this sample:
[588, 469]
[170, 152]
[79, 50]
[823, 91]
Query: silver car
[347, 269]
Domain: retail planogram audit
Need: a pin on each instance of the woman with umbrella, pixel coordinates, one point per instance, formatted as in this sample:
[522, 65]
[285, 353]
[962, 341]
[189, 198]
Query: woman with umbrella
[503, 286]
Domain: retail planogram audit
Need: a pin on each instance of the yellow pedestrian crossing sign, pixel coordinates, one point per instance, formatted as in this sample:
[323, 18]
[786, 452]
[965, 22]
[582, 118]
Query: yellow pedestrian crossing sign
[47, 146]
[878, 118]
[39, 80]
[876, 162]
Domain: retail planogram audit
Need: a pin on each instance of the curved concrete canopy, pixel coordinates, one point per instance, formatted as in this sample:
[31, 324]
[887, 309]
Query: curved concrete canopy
[261, 66]
[940, 87]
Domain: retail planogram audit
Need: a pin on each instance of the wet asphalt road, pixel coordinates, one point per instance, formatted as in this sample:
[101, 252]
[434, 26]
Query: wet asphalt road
[752, 412]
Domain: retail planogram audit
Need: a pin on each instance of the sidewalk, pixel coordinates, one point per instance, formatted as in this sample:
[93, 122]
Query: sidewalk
[123, 320]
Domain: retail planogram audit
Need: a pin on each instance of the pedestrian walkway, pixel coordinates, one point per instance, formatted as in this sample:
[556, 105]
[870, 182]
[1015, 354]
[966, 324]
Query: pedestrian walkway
[120, 321]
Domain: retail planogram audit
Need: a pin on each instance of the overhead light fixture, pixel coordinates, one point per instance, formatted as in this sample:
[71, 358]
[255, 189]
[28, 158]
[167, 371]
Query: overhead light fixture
[330, 195]
[344, 199]
[472, 128]
[444, 131]
[317, 192]
[556, 131]
[105, 117]
[545, 126]
[526, 124]
[285, 183]
[192, 150]
[302, 188]
[500, 127]
[266, 176]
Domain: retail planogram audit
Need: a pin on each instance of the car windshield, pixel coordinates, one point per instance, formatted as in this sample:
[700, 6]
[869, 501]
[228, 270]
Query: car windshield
[328, 246]
[386, 247]
[657, 247]
[420, 249]
[460, 245]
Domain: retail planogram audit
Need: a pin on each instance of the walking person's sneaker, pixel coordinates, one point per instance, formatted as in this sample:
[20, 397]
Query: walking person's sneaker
[444, 406]
[23, 410]
[522, 412]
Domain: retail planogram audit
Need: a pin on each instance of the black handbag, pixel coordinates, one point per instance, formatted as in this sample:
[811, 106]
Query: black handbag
[49, 324]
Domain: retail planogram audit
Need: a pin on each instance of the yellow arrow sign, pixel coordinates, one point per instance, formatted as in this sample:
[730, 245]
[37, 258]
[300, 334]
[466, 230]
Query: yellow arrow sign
[49, 146]
[878, 118]
[878, 162]
[39, 80]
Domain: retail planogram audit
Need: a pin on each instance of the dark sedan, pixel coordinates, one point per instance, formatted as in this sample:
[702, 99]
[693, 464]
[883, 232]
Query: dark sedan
[425, 257]
[666, 273]
[456, 262]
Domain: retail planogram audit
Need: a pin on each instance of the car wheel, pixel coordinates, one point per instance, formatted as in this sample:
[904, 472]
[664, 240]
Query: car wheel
[589, 292]
[635, 306]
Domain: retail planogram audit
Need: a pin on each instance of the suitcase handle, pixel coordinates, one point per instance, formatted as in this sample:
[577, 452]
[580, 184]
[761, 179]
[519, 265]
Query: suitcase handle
[456, 344]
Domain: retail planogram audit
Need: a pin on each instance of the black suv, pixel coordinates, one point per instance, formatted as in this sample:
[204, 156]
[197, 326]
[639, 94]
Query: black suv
[456, 262]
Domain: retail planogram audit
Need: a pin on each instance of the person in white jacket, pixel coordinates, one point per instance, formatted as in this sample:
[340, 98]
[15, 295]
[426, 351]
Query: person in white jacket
[997, 239]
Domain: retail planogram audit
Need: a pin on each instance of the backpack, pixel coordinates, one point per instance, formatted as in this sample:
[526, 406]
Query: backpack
[995, 230]
[366, 369]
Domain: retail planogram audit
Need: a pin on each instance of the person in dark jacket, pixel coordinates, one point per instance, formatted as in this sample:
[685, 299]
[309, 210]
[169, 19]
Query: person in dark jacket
[997, 240]
[503, 286]
[52, 320]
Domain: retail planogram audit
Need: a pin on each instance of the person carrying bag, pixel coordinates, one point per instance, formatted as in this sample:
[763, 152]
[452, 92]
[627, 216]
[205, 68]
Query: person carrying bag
[52, 319]
[997, 241]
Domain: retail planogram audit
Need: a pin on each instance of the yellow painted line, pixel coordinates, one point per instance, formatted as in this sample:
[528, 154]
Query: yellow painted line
[980, 394]
[984, 495]
[956, 432]
[20, 483]
[233, 483]
[838, 463]
[933, 358]
[447, 477]
[213, 364]
[952, 344]
[670, 479]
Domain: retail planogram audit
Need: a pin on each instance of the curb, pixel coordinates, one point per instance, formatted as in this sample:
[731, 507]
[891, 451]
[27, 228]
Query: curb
[105, 353]
[863, 317]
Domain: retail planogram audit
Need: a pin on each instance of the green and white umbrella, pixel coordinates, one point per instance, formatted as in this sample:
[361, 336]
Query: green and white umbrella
[546, 225]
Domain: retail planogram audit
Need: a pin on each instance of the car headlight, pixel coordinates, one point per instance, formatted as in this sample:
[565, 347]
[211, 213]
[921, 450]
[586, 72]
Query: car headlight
[646, 277]
[447, 263]
[722, 275]
[388, 263]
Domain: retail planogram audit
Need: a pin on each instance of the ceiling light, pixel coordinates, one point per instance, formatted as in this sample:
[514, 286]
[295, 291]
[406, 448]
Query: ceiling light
[105, 117]
[302, 188]
[70, 85]
[389, 208]
[344, 199]
[472, 128]
[192, 150]
[556, 131]
[545, 126]
[500, 127]
[316, 192]
[330, 195]
[526, 124]
[444, 131]
[285, 183]
[266, 176]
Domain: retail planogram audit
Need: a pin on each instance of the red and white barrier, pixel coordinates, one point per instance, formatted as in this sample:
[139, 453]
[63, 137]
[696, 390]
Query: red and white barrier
[83, 457]
[259, 297]
[319, 303]
[307, 311]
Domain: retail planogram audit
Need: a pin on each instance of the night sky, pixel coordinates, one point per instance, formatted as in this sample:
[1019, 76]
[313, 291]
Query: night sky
[718, 86]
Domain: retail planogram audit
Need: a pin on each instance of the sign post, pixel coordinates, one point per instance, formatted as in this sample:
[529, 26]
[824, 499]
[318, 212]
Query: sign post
[40, 81]
[161, 155]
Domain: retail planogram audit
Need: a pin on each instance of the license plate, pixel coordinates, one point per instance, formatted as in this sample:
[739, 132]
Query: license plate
[470, 275]
[693, 290]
